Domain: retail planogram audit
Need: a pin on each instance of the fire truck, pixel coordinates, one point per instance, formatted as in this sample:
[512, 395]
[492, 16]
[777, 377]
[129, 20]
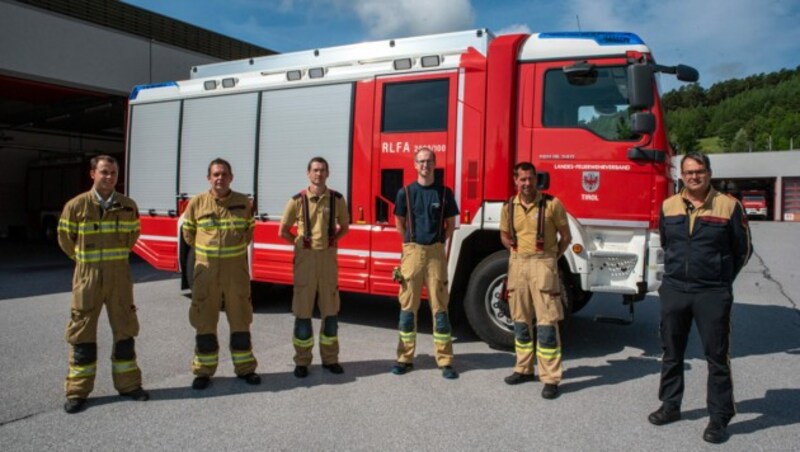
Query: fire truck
[583, 107]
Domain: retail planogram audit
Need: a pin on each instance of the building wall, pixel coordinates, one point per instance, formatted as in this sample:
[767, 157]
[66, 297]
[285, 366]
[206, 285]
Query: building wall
[36, 44]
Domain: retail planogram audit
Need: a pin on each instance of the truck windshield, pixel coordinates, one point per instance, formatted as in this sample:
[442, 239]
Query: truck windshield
[596, 101]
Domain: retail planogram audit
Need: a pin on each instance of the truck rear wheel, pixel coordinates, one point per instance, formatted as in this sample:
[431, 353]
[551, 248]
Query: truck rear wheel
[488, 311]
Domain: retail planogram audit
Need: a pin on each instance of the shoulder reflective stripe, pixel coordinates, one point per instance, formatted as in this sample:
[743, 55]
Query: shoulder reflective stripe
[121, 367]
[76, 371]
[242, 357]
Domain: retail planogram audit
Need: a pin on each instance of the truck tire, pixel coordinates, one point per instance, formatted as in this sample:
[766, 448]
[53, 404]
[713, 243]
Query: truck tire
[488, 312]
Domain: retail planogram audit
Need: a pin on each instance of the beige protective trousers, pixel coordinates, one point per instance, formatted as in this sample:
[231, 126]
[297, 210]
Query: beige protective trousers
[534, 289]
[316, 279]
[221, 282]
[93, 286]
[424, 264]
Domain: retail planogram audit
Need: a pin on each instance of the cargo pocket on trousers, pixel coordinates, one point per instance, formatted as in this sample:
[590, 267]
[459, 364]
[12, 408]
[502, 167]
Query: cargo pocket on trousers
[547, 276]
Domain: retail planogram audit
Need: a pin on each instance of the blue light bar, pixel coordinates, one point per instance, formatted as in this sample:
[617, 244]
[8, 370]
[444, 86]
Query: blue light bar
[603, 38]
[151, 86]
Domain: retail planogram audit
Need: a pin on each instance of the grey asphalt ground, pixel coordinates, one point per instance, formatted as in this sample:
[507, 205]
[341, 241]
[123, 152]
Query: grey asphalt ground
[610, 381]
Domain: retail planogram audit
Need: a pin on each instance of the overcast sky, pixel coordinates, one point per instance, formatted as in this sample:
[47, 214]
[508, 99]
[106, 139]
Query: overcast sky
[721, 38]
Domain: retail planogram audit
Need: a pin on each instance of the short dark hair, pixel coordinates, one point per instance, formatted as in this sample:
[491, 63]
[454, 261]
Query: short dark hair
[318, 159]
[219, 161]
[524, 166]
[698, 157]
[425, 149]
[100, 158]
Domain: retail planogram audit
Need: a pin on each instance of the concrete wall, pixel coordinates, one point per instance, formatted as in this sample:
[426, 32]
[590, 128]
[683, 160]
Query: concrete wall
[36, 44]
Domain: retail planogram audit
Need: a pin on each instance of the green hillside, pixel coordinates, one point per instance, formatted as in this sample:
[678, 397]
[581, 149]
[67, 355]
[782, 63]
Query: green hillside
[757, 113]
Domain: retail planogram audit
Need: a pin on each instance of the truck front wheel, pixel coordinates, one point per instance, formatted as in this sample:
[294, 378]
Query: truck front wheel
[487, 309]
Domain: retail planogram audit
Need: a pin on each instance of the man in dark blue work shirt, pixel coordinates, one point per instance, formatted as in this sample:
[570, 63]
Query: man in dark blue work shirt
[706, 243]
[425, 227]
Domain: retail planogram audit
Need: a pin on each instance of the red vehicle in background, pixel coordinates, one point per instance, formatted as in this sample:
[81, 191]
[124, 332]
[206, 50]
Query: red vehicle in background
[755, 204]
[583, 107]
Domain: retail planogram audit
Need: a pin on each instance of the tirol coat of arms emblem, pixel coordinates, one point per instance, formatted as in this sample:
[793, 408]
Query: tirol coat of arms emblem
[591, 181]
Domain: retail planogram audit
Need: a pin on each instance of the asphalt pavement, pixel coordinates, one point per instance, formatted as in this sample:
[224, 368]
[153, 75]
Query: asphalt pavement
[610, 379]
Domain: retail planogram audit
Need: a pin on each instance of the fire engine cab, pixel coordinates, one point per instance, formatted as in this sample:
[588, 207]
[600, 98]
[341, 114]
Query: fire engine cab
[583, 107]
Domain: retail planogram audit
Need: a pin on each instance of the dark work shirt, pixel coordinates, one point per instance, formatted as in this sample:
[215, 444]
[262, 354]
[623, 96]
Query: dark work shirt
[426, 212]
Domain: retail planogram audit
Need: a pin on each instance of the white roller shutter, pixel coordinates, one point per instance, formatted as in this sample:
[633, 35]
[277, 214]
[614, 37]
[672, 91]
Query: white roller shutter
[153, 155]
[296, 125]
[219, 126]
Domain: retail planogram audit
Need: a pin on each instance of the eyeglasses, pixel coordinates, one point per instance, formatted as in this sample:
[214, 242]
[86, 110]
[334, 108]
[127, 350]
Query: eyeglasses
[700, 172]
[426, 162]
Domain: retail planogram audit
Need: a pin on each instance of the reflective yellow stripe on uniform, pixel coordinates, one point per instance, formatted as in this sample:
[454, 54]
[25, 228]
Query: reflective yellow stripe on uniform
[442, 338]
[222, 252]
[76, 371]
[408, 338]
[303, 343]
[206, 360]
[548, 353]
[224, 224]
[108, 227]
[65, 225]
[523, 346]
[101, 255]
[327, 340]
[121, 367]
[242, 357]
[189, 225]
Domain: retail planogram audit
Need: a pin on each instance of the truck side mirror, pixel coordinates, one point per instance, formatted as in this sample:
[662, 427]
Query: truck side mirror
[640, 86]
[686, 73]
[643, 123]
[542, 180]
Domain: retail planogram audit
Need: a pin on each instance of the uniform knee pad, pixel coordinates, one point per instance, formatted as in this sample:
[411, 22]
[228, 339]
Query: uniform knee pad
[546, 336]
[206, 343]
[330, 326]
[302, 329]
[406, 324]
[124, 351]
[521, 332]
[84, 353]
[442, 323]
[241, 341]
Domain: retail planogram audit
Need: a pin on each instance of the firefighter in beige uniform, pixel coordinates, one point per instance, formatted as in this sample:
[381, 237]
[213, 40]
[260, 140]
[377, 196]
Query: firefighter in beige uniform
[219, 225]
[533, 285]
[425, 214]
[97, 230]
[317, 211]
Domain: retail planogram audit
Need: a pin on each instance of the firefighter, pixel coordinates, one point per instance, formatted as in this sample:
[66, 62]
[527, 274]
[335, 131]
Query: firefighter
[706, 243]
[97, 230]
[533, 226]
[219, 225]
[425, 214]
[322, 220]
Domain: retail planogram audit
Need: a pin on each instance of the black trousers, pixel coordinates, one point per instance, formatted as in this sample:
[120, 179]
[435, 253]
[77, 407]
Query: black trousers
[711, 311]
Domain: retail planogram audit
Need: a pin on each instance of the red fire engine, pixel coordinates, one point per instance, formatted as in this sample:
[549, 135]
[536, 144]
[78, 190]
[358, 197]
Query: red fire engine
[583, 107]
